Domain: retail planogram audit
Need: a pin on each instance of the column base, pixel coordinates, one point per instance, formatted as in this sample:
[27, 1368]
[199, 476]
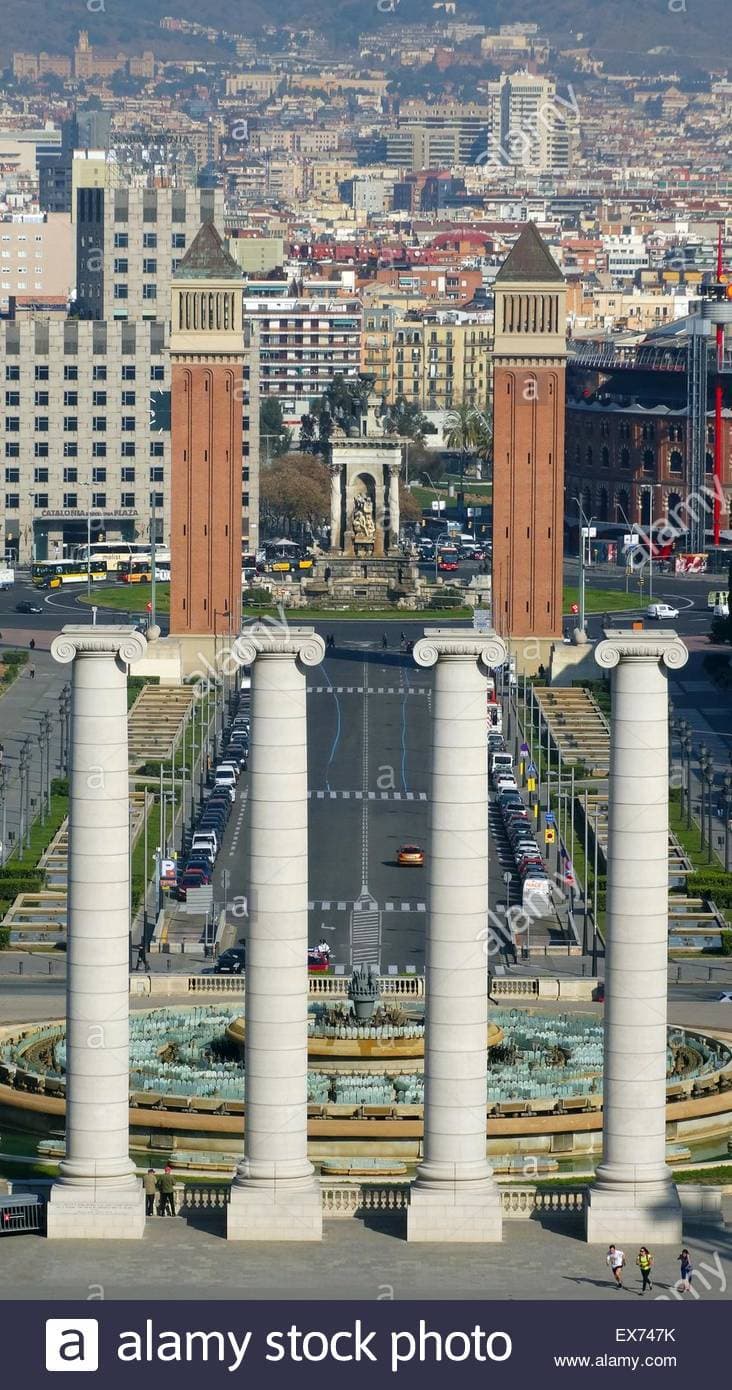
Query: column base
[270, 1213]
[452, 1217]
[95, 1213]
[643, 1214]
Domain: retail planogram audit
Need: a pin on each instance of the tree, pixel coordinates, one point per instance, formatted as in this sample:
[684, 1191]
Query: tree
[275, 435]
[467, 431]
[307, 441]
[406, 418]
[409, 508]
[294, 494]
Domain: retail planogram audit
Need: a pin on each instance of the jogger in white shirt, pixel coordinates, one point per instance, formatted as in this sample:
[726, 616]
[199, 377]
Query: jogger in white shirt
[616, 1261]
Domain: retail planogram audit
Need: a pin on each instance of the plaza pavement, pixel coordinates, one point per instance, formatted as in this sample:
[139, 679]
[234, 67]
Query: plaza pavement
[547, 1261]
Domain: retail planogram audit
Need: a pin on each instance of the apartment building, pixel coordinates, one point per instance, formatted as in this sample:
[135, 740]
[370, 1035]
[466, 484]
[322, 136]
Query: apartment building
[437, 363]
[303, 344]
[130, 241]
[534, 125]
[36, 256]
[85, 431]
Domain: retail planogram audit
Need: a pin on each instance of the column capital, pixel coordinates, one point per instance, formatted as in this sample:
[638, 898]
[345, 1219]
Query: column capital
[483, 647]
[620, 644]
[125, 644]
[301, 644]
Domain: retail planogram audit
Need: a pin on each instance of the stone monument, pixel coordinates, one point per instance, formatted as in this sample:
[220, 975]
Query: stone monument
[364, 560]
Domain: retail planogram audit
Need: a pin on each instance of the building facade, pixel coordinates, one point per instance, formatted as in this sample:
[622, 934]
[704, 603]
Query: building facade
[80, 451]
[36, 256]
[303, 344]
[130, 242]
[85, 434]
[628, 438]
[436, 362]
[528, 442]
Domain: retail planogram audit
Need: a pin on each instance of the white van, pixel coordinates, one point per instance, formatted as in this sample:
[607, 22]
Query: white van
[537, 896]
[501, 762]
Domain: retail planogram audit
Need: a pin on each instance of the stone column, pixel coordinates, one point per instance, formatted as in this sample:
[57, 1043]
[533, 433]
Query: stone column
[97, 1194]
[336, 539]
[276, 1195]
[455, 1197]
[633, 1198]
[392, 539]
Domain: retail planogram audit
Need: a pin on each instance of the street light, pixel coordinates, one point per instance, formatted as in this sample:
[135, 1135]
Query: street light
[727, 804]
[585, 536]
[707, 773]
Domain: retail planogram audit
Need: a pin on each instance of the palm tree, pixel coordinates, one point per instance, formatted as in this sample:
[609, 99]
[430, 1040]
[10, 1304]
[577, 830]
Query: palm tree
[468, 431]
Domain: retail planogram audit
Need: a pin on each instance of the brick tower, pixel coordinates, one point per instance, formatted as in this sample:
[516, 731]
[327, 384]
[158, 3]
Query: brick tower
[528, 441]
[207, 356]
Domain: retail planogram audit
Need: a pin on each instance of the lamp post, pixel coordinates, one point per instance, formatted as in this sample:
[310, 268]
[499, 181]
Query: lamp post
[585, 535]
[594, 892]
[4, 813]
[707, 774]
[686, 749]
[727, 804]
[703, 760]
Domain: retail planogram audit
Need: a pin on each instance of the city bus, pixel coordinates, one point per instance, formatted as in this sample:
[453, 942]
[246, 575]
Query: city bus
[111, 554]
[57, 574]
[139, 569]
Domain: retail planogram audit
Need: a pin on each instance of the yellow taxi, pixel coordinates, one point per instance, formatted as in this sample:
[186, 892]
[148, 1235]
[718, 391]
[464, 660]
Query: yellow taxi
[411, 856]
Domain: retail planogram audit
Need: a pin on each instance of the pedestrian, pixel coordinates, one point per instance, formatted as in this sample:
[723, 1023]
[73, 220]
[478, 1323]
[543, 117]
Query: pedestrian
[150, 1184]
[644, 1261]
[402, 641]
[32, 644]
[686, 1270]
[166, 1187]
[616, 1261]
[384, 641]
[141, 961]
[32, 672]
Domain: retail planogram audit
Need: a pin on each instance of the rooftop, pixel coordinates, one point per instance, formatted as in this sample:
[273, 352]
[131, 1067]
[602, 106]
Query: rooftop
[530, 260]
[208, 259]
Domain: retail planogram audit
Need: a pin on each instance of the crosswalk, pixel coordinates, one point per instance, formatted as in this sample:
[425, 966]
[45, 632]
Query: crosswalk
[368, 690]
[367, 796]
[358, 906]
[365, 933]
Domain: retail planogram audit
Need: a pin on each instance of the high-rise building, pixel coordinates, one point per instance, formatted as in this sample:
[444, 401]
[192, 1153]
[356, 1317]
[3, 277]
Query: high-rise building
[130, 242]
[207, 381]
[528, 441]
[534, 125]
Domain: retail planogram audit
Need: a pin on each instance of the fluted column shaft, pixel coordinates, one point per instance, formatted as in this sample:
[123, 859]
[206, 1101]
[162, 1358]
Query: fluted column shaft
[455, 1169]
[275, 1163]
[393, 534]
[97, 992]
[336, 540]
[633, 1171]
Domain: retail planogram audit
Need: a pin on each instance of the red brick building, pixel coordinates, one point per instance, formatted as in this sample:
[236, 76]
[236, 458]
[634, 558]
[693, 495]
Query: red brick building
[528, 441]
[207, 389]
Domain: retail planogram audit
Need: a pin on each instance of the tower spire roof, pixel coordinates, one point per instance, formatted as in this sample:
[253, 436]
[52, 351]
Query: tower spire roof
[207, 258]
[530, 260]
